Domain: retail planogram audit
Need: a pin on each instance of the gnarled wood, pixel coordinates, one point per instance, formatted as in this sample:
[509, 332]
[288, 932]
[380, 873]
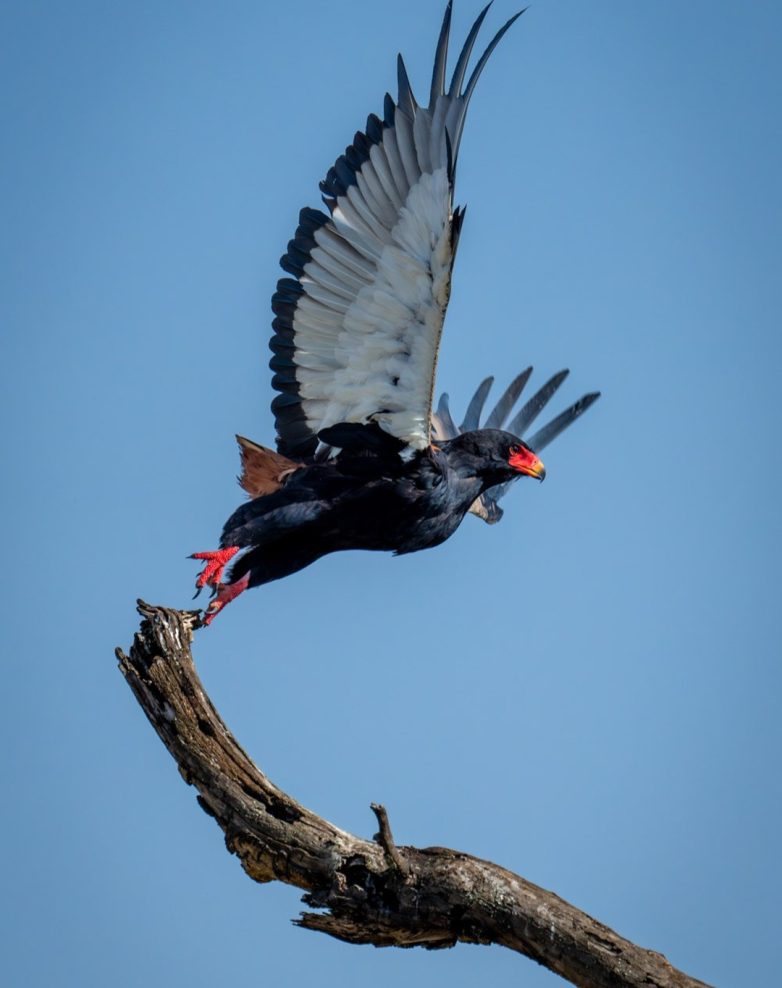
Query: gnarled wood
[368, 892]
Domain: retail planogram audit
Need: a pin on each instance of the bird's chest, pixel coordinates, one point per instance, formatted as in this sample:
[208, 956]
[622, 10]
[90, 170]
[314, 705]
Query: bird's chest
[437, 517]
[408, 516]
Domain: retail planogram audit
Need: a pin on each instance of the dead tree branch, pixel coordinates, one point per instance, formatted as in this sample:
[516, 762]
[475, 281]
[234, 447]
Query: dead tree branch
[366, 892]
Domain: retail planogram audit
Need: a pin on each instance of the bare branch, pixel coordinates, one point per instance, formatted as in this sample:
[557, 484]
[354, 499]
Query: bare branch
[366, 892]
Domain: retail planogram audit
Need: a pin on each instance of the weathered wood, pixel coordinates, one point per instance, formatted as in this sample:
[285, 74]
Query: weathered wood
[367, 892]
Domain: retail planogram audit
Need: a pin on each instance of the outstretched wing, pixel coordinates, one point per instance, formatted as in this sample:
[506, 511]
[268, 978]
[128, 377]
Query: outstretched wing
[444, 427]
[357, 327]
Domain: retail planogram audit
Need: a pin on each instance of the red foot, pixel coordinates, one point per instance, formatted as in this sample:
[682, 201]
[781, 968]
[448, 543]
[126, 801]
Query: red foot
[224, 596]
[216, 562]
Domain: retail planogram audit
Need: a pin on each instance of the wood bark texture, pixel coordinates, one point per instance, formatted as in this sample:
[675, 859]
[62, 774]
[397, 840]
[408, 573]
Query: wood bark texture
[364, 891]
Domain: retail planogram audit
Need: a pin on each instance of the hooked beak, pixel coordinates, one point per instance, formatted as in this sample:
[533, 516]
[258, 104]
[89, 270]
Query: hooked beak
[527, 463]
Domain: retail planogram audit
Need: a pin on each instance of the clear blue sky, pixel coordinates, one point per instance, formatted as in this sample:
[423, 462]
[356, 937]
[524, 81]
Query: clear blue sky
[587, 693]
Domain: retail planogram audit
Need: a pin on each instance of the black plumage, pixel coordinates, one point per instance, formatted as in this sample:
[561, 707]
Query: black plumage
[367, 497]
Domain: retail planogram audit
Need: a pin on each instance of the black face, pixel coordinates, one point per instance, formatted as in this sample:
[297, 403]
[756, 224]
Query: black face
[495, 455]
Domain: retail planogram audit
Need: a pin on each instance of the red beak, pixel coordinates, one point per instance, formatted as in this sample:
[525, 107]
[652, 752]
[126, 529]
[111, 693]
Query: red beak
[527, 463]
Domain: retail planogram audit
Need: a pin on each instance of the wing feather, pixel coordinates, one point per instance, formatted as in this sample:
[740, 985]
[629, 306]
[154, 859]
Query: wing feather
[406, 145]
[549, 432]
[441, 57]
[340, 249]
[472, 416]
[524, 419]
[358, 321]
[443, 425]
[395, 164]
[503, 408]
[379, 157]
[347, 277]
[376, 196]
[463, 60]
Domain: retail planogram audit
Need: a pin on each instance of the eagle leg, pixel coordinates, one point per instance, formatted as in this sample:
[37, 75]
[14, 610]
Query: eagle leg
[225, 595]
[212, 573]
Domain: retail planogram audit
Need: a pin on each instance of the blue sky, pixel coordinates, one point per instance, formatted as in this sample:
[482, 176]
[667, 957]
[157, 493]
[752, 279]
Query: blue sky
[587, 693]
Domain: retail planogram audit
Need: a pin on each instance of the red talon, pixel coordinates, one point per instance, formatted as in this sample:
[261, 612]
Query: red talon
[216, 562]
[224, 596]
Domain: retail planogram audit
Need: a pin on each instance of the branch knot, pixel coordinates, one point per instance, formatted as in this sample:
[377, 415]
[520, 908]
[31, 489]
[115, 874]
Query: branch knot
[386, 840]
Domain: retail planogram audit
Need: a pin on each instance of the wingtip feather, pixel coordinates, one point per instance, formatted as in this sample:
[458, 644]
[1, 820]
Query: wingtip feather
[476, 73]
[406, 99]
[441, 57]
[473, 414]
[464, 55]
[557, 425]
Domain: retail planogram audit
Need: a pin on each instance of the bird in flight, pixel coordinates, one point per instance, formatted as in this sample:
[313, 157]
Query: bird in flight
[362, 460]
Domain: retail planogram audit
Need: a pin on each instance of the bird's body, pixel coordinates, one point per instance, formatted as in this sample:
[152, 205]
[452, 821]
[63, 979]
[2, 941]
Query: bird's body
[363, 461]
[365, 499]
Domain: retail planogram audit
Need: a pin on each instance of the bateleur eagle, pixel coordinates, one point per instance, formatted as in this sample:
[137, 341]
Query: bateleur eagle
[362, 460]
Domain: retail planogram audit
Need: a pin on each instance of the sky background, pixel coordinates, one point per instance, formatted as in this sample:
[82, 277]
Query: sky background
[587, 693]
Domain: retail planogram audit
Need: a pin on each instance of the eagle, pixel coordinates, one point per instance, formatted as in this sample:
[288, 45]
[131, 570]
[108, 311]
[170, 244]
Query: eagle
[363, 460]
